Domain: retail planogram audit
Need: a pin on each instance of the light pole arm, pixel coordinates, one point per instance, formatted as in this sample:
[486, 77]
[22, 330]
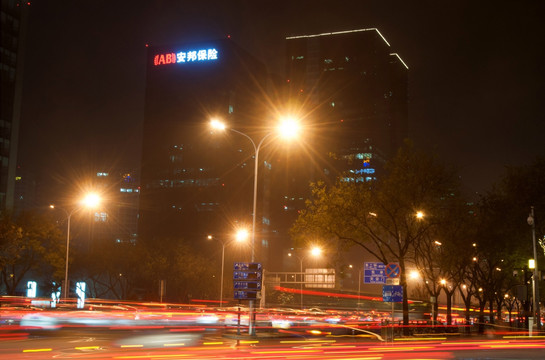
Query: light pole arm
[256, 167]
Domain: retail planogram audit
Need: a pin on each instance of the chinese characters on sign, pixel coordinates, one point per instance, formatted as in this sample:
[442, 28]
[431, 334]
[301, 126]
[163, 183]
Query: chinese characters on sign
[373, 273]
[185, 57]
[247, 280]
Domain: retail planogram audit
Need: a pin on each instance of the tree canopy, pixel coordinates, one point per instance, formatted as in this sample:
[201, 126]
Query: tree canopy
[387, 217]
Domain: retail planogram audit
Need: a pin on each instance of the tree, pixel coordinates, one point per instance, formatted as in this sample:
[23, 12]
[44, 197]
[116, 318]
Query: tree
[381, 216]
[188, 275]
[111, 269]
[31, 242]
[444, 252]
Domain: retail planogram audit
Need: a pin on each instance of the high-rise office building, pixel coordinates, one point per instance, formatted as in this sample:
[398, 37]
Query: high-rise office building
[13, 26]
[355, 85]
[117, 219]
[194, 181]
[354, 90]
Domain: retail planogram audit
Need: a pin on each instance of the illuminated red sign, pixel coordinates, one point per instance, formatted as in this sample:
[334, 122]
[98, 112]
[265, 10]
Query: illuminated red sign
[185, 57]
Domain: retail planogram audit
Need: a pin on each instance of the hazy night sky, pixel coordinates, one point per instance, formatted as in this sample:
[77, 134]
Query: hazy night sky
[476, 72]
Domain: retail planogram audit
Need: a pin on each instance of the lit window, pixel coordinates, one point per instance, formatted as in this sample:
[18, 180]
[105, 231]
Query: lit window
[101, 216]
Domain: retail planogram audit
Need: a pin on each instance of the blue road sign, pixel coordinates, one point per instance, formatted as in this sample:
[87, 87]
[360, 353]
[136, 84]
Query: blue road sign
[392, 293]
[247, 278]
[373, 273]
[245, 295]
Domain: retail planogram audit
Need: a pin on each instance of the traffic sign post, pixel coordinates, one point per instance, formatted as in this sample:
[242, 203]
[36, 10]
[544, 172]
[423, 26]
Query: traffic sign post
[393, 294]
[247, 282]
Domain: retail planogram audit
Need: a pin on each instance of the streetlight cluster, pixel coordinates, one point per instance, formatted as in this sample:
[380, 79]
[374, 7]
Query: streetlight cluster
[288, 128]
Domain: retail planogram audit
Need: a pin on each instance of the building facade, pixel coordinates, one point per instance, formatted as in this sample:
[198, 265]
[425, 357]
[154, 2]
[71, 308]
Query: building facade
[351, 88]
[14, 15]
[354, 90]
[194, 181]
[117, 218]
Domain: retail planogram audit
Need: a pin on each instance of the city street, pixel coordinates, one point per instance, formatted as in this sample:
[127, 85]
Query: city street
[165, 344]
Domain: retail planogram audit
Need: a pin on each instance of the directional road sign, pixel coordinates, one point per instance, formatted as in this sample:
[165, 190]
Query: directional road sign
[373, 273]
[247, 280]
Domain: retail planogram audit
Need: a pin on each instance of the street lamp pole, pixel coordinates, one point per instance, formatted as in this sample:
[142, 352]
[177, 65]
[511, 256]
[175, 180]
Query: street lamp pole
[256, 167]
[68, 217]
[240, 236]
[251, 320]
[359, 287]
[291, 128]
[316, 251]
[90, 200]
[535, 283]
[302, 280]
[222, 269]
[65, 285]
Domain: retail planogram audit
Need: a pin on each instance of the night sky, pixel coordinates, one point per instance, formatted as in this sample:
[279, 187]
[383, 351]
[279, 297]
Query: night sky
[476, 72]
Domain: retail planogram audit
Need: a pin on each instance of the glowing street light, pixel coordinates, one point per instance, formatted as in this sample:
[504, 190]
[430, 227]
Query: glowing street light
[315, 252]
[414, 275]
[419, 215]
[240, 236]
[90, 200]
[287, 129]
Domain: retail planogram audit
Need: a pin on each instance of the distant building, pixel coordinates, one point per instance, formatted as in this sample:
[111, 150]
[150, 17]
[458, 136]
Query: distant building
[25, 190]
[13, 26]
[357, 89]
[117, 218]
[196, 182]
[354, 90]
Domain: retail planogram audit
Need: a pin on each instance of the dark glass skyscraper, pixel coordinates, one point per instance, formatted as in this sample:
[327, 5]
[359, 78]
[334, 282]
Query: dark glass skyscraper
[355, 86]
[354, 90]
[14, 19]
[195, 182]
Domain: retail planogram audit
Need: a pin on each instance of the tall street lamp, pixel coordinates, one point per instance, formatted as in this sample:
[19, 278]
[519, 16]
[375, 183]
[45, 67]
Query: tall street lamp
[89, 201]
[287, 129]
[240, 236]
[535, 283]
[315, 252]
